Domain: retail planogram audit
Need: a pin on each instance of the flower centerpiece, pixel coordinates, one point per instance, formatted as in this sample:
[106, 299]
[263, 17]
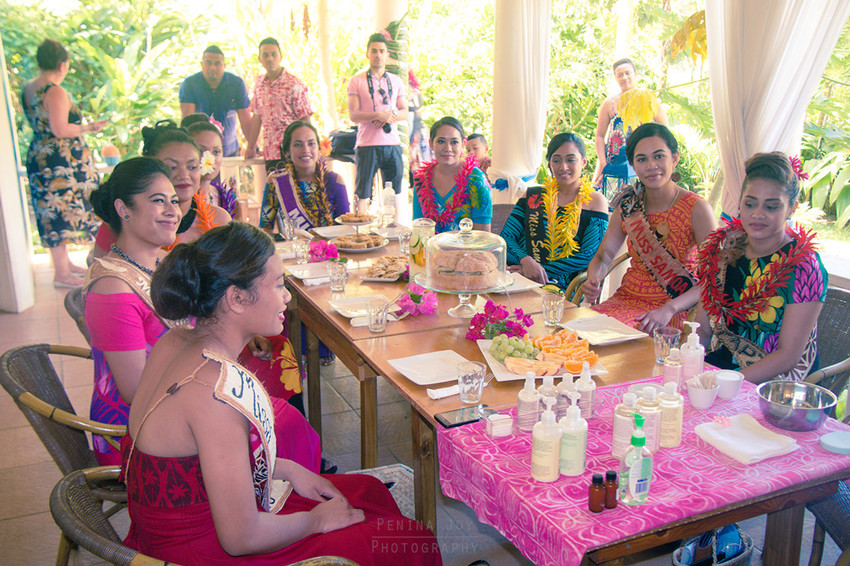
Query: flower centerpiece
[324, 251]
[418, 300]
[497, 320]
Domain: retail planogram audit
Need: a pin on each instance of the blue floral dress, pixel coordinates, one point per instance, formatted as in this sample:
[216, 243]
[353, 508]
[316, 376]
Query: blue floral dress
[61, 175]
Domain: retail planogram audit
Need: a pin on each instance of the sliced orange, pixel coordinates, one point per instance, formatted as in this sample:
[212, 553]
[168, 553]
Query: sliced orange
[573, 367]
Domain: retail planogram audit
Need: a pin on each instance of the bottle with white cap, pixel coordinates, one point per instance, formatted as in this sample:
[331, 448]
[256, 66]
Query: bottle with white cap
[546, 446]
[623, 424]
[587, 388]
[692, 354]
[573, 439]
[650, 408]
[528, 406]
[672, 408]
[564, 389]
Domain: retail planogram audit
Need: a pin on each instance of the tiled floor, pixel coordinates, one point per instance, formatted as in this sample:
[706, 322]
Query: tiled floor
[27, 474]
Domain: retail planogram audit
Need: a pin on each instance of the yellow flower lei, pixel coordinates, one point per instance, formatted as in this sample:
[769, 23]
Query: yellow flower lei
[561, 229]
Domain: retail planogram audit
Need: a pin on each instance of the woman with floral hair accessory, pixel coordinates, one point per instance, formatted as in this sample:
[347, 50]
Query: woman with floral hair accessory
[451, 187]
[763, 283]
[206, 132]
[304, 190]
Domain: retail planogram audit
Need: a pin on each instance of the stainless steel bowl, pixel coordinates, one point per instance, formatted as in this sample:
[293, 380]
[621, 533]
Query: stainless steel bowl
[795, 405]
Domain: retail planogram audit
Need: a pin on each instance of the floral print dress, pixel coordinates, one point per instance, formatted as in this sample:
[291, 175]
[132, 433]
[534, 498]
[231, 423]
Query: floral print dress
[807, 283]
[61, 175]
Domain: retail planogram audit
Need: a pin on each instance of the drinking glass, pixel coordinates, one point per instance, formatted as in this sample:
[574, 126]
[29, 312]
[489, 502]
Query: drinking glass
[302, 250]
[338, 272]
[553, 308]
[665, 338]
[376, 311]
[288, 228]
[404, 241]
[470, 381]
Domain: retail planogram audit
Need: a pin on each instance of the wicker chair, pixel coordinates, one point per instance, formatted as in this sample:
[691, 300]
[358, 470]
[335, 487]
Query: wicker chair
[75, 304]
[77, 511]
[575, 290]
[831, 513]
[501, 212]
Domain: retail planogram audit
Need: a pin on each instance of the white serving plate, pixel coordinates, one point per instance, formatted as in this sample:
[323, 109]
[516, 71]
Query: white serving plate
[502, 374]
[431, 368]
[351, 307]
[601, 330]
[339, 220]
[308, 270]
[329, 232]
[520, 283]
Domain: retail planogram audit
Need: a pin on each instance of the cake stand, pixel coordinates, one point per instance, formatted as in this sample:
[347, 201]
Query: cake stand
[463, 309]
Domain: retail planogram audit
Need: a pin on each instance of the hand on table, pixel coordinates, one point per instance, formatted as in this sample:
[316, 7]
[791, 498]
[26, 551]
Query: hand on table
[261, 347]
[533, 270]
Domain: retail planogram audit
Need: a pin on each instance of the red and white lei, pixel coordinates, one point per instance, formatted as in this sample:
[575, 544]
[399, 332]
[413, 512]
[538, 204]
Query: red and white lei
[427, 193]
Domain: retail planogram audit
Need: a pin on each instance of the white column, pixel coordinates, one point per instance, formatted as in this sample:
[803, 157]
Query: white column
[520, 86]
[326, 73]
[17, 288]
[385, 12]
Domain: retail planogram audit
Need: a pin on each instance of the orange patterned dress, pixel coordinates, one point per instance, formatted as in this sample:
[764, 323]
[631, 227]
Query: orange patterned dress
[639, 293]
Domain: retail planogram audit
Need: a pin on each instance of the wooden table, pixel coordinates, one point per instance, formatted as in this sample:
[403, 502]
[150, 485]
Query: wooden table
[310, 306]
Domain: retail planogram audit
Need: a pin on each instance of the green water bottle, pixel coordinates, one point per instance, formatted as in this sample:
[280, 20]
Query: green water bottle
[636, 468]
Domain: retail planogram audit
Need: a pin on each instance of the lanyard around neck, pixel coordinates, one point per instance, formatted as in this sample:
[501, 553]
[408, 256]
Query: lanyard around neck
[372, 89]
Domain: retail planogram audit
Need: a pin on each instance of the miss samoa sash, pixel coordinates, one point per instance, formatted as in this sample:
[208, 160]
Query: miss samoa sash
[661, 264]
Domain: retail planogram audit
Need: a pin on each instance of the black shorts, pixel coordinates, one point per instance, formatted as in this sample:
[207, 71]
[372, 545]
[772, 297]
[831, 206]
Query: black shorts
[370, 158]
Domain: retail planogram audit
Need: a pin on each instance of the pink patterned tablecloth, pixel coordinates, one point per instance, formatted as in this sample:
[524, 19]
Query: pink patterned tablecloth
[550, 523]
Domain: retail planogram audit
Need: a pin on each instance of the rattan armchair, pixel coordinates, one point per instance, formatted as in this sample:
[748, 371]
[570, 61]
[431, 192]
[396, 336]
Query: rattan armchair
[77, 511]
[501, 213]
[575, 290]
[831, 513]
[75, 304]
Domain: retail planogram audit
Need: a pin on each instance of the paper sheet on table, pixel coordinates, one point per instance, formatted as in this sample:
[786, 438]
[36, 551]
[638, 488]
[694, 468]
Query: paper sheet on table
[520, 283]
[316, 281]
[602, 329]
[745, 439]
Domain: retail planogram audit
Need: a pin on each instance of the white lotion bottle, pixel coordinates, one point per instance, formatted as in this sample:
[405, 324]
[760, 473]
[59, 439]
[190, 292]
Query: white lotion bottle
[624, 423]
[692, 354]
[564, 389]
[528, 406]
[587, 389]
[546, 446]
[649, 407]
[672, 368]
[547, 389]
[573, 439]
[672, 409]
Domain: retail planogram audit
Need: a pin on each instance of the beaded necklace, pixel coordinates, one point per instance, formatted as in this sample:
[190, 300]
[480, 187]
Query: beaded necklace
[427, 193]
[131, 261]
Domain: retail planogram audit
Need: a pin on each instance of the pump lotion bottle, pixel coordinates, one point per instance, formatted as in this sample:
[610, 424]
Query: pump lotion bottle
[692, 354]
[546, 446]
[573, 439]
[528, 407]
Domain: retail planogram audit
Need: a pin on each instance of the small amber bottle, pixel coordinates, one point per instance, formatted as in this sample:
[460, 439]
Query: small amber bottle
[611, 489]
[596, 494]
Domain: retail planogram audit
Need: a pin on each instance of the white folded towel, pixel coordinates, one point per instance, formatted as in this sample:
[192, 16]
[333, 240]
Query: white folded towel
[745, 439]
[442, 392]
[316, 281]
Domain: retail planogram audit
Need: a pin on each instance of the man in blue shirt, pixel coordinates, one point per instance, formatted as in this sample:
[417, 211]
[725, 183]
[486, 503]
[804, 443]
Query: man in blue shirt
[218, 94]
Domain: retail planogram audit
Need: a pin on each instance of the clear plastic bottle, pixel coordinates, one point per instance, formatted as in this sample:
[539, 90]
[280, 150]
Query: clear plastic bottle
[623, 425]
[636, 468]
[573, 439]
[528, 406]
[672, 409]
[649, 407]
[587, 389]
[546, 446]
[564, 389]
[672, 368]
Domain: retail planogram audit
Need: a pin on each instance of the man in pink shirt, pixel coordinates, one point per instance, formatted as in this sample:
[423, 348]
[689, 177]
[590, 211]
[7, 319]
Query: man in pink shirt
[376, 101]
[280, 98]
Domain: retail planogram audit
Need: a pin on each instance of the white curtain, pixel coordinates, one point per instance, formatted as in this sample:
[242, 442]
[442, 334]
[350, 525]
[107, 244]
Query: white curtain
[520, 87]
[765, 58]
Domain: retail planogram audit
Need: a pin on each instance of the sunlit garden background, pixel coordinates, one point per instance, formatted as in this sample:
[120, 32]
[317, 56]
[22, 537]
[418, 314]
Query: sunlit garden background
[128, 59]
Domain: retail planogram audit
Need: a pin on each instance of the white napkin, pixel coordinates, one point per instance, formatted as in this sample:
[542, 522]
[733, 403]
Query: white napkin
[443, 392]
[286, 255]
[316, 281]
[745, 439]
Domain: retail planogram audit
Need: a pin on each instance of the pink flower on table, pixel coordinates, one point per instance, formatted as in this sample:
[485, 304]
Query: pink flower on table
[320, 250]
[498, 320]
[418, 300]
